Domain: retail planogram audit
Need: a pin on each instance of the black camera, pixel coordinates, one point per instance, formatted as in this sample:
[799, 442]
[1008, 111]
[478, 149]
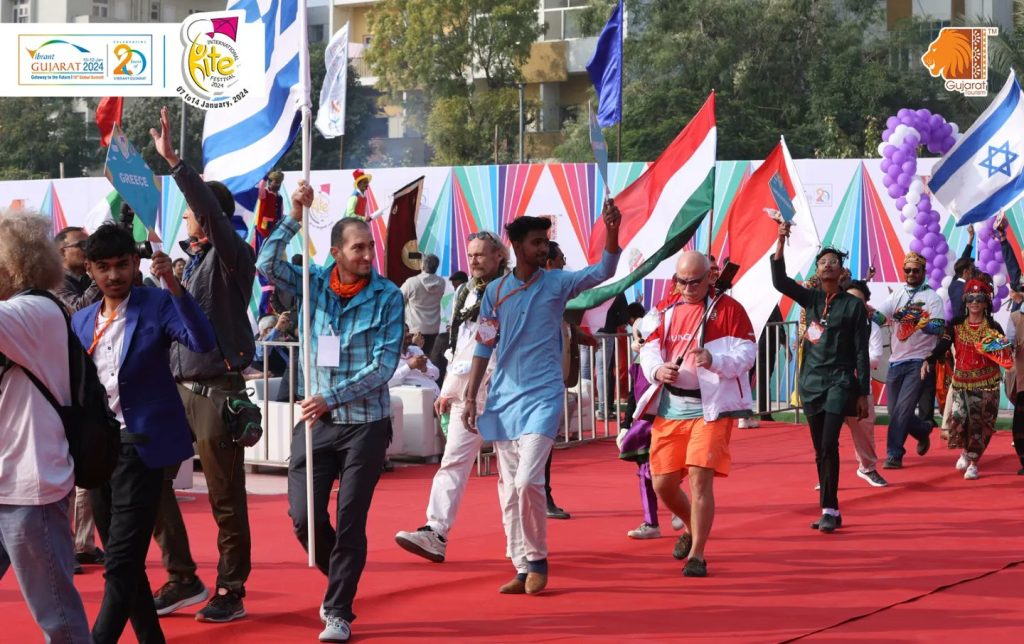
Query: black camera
[126, 220]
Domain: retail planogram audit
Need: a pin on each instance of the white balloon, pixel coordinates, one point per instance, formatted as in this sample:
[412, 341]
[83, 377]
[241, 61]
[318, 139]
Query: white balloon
[956, 128]
[913, 198]
[881, 146]
[909, 225]
[916, 186]
[946, 281]
[999, 279]
[943, 293]
[909, 211]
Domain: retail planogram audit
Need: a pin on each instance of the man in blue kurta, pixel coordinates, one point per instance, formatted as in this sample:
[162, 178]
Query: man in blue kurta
[521, 317]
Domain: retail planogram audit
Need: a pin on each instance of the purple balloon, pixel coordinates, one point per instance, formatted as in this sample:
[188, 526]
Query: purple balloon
[942, 248]
[928, 252]
[924, 114]
[1003, 291]
[898, 157]
[934, 229]
[889, 150]
[886, 164]
[984, 256]
[920, 231]
[939, 261]
[912, 140]
[925, 205]
[935, 147]
[892, 122]
[945, 130]
[947, 144]
[993, 243]
[902, 201]
[895, 191]
[909, 167]
[916, 245]
[922, 219]
[889, 182]
[930, 239]
[903, 113]
[904, 180]
[894, 170]
[994, 266]
[936, 120]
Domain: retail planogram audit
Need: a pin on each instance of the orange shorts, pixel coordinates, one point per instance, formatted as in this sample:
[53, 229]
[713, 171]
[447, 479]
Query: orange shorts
[679, 444]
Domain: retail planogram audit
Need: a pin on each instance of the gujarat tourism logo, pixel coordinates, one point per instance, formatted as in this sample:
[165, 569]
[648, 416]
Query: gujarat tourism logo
[960, 56]
[211, 62]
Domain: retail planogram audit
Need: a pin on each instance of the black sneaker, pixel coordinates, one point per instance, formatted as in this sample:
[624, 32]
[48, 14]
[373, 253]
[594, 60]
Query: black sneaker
[828, 523]
[95, 557]
[695, 568]
[178, 594]
[817, 524]
[555, 512]
[682, 548]
[225, 606]
[892, 463]
[924, 444]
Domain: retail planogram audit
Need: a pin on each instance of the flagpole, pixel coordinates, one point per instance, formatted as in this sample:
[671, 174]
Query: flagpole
[306, 322]
[622, 71]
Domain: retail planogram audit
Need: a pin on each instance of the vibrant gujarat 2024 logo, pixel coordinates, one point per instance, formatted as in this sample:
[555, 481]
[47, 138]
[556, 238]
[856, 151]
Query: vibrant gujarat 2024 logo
[211, 62]
[960, 56]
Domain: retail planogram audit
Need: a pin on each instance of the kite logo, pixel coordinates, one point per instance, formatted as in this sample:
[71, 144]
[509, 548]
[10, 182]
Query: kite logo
[960, 56]
[211, 62]
[320, 209]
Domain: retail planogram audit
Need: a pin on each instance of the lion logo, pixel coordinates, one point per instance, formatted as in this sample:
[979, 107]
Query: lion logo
[960, 56]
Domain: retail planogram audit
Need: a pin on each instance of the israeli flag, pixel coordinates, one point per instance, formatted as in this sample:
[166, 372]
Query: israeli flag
[984, 172]
[242, 144]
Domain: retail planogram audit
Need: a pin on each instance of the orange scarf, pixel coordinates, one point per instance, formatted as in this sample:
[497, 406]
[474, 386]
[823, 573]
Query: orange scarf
[347, 291]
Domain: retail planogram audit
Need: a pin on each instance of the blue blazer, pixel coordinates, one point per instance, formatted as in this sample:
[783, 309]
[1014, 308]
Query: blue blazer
[149, 396]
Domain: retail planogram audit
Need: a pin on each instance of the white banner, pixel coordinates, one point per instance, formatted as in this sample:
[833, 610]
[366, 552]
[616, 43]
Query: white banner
[330, 119]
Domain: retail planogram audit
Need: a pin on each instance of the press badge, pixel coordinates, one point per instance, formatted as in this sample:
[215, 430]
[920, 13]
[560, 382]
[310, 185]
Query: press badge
[814, 332]
[487, 332]
[328, 350]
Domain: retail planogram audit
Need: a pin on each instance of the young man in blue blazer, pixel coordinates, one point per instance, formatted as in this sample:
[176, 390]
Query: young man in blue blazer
[129, 334]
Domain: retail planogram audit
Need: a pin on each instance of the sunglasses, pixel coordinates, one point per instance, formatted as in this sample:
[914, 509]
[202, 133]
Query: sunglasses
[80, 245]
[689, 283]
[484, 235]
[972, 299]
[910, 270]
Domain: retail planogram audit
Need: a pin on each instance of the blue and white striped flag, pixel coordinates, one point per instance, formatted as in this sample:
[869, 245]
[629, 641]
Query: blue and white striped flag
[984, 172]
[243, 143]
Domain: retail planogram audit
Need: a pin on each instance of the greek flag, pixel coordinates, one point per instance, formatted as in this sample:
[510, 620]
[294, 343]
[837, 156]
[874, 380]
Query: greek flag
[984, 172]
[241, 144]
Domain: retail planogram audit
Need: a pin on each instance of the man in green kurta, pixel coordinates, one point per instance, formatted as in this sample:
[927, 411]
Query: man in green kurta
[834, 376]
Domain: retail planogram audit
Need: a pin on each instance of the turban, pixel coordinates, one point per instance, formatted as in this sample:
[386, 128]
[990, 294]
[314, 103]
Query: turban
[977, 286]
[914, 259]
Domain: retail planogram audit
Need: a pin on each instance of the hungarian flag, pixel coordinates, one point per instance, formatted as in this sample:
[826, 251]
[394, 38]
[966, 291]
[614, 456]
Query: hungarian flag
[108, 112]
[747, 236]
[661, 209]
[403, 254]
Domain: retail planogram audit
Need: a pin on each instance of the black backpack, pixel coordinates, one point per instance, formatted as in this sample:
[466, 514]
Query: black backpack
[92, 429]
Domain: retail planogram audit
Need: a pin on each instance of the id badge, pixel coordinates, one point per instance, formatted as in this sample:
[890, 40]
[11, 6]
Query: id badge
[814, 332]
[328, 351]
[487, 332]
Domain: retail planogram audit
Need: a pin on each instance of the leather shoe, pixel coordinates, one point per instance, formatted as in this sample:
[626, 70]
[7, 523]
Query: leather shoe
[828, 523]
[923, 445]
[513, 587]
[555, 512]
[817, 524]
[535, 582]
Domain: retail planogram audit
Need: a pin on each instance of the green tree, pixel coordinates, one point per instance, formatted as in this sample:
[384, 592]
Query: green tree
[1006, 50]
[38, 134]
[454, 67]
[816, 72]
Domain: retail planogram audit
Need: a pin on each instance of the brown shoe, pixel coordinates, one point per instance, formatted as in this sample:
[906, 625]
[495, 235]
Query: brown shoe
[535, 583]
[513, 587]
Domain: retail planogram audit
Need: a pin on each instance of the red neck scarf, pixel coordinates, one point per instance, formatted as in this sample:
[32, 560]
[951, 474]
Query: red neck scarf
[347, 291]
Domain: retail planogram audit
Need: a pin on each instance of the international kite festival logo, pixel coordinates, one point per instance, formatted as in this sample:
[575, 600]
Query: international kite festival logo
[211, 62]
[960, 56]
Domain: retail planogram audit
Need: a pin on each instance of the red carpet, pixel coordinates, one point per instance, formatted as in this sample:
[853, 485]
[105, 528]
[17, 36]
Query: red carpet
[932, 555]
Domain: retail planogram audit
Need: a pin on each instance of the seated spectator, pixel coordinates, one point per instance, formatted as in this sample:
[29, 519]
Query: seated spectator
[414, 368]
[272, 328]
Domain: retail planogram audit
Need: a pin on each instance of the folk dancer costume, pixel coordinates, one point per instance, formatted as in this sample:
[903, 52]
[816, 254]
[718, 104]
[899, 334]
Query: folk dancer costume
[357, 201]
[917, 315]
[521, 322]
[269, 209]
[979, 352]
[833, 375]
[462, 446]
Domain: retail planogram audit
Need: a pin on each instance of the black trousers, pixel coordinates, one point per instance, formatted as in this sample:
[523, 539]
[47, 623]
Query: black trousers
[1018, 426]
[125, 510]
[355, 455]
[825, 436]
[926, 405]
[771, 351]
[547, 479]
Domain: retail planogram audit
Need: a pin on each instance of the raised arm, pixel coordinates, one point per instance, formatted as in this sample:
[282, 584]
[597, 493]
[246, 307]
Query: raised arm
[782, 282]
[271, 262]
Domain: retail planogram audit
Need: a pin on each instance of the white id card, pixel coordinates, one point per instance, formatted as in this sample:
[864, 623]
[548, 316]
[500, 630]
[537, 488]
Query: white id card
[328, 351]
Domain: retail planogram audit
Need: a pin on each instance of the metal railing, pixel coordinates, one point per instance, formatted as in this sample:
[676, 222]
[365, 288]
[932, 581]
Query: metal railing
[263, 446]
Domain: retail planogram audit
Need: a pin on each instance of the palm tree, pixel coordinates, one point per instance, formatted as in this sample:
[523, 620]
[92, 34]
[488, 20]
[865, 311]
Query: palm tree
[1006, 51]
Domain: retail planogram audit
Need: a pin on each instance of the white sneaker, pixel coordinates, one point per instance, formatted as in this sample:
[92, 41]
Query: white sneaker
[336, 630]
[962, 462]
[873, 478]
[742, 423]
[817, 487]
[645, 531]
[424, 543]
[677, 523]
[753, 422]
[972, 472]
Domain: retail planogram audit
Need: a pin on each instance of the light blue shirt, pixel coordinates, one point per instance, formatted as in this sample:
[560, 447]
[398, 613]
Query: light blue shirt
[526, 395]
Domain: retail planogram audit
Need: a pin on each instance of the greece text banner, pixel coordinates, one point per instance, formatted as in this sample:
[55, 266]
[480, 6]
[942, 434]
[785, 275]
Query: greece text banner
[211, 60]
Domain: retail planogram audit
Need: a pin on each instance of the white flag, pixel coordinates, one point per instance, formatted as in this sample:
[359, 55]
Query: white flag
[330, 119]
[984, 172]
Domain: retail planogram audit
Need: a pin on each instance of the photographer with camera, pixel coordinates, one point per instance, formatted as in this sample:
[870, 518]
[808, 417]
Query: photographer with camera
[219, 276]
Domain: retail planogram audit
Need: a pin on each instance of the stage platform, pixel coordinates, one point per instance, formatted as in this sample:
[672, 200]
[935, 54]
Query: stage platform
[930, 557]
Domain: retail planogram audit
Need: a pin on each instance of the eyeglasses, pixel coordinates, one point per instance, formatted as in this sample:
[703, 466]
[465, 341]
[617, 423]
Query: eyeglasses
[484, 235]
[689, 283]
[976, 298]
[80, 245]
[829, 262]
[910, 270]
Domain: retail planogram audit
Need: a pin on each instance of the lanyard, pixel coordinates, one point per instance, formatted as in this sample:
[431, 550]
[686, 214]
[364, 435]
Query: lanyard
[525, 286]
[98, 333]
[828, 303]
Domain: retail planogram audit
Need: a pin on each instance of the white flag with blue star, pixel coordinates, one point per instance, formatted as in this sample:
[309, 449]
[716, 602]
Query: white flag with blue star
[984, 172]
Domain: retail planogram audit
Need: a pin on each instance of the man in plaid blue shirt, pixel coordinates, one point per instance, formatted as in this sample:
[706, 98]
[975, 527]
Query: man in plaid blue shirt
[348, 401]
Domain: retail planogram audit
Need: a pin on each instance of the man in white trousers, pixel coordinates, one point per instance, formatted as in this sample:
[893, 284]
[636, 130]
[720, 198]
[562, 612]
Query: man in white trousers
[487, 260]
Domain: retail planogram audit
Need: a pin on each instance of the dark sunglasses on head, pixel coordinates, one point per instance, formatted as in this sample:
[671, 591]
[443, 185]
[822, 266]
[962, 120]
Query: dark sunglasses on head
[971, 299]
[688, 283]
[910, 270]
[80, 245]
[484, 235]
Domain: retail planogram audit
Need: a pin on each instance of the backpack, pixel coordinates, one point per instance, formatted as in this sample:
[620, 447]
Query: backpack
[92, 429]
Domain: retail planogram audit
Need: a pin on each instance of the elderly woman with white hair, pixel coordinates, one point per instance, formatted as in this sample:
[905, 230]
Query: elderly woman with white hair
[36, 470]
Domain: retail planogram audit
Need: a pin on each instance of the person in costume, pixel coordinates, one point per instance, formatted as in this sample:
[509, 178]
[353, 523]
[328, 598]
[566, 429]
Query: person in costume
[521, 322]
[835, 380]
[269, 209]
[917, 315]
[980, 350]
[357, 201]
